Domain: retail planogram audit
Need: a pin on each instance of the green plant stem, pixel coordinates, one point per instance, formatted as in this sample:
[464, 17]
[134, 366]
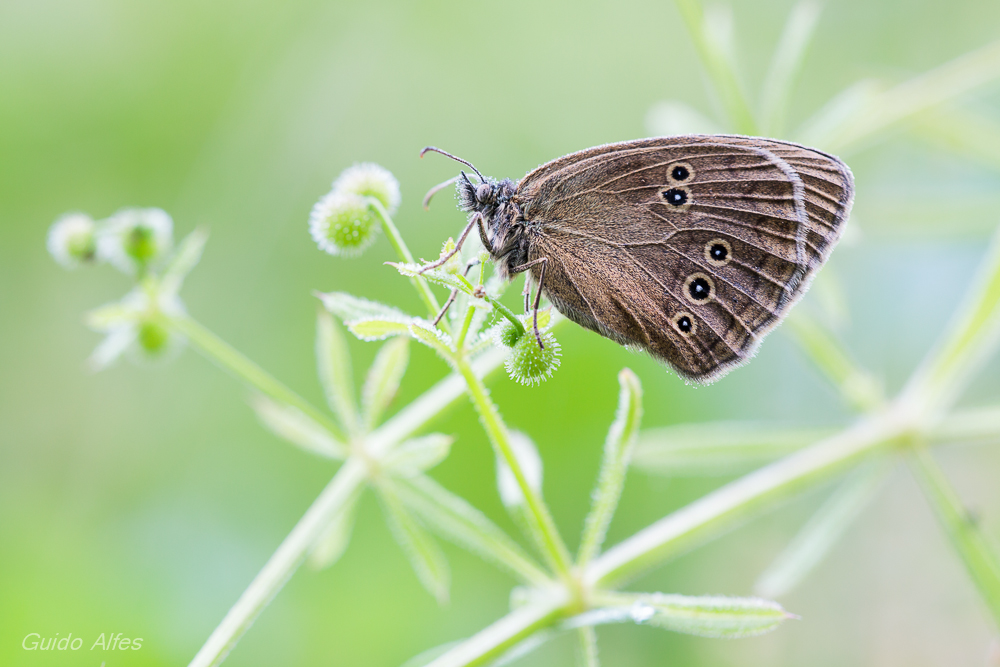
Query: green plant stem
[497, 306]
[469, 314]
[282, 564]
[228, 357]
[977, 552]
[493, 641]
[588, 646]
[399, 245]
[552, 544]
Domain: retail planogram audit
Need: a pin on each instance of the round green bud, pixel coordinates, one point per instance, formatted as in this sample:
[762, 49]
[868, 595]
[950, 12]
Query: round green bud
[343, 224]
[153, 337]
[530, 364]
[368, 179]
[134, 238]
[507, 334]
[72, 240]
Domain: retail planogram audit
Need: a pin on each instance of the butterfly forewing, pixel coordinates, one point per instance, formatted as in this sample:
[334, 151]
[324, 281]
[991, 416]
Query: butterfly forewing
[689, 247]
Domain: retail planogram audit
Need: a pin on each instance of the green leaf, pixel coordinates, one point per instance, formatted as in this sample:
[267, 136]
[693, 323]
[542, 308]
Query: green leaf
[434, 338]
[454, 519]
[332, 544]
[414, 456]
[970, 340]
[860, 388]
[611, 479]
[383, 380]
[712, 36]
[424, 554]
[785, 66]
[978, 552]
[438, 276]
[705, 616]
[378, 329]
[184, 258]
[348, 307]
[811, 545]
[333, 364]
[718, 448]
[289, 423]
[111, 316]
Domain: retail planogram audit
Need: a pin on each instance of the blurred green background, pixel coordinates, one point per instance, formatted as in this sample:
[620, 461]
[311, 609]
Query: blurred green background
[142, 500]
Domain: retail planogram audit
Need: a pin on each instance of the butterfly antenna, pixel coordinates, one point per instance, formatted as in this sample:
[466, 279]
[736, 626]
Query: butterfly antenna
[437, 188]
[482, 179]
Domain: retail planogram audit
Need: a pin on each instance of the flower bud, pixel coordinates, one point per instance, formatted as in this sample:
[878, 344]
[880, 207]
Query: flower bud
[528, 363]
[72, 240]
[343, 224]
[368, 179]
[134, 238]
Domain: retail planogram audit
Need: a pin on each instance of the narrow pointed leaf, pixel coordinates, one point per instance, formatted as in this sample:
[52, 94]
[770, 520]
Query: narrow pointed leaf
[378, 329]
[439, 276]
[332, 544]
[417, 455]
[978, 552]
[290, 424]
[718, 448]
[383, 380]
[349, 307]
[423, 552]
[333, 363]
[705, 616]
[108, 351]
[856, 385]
[531, 463]
[786, 64]
[454, 519]
[822, 531]
[184, 259]
[110, 316]
[611, 479]
[433, 338]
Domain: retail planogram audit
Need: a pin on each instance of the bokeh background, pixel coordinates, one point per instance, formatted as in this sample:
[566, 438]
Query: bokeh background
[142, 500]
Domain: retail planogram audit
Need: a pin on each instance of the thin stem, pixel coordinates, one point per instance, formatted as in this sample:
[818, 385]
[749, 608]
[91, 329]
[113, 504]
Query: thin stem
[228, 357]
[399, 245]
[281, 565]
[552, 544]
[469, 314]
[497, 306]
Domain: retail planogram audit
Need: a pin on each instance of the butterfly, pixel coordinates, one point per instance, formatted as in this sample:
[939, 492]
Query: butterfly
[691, 248]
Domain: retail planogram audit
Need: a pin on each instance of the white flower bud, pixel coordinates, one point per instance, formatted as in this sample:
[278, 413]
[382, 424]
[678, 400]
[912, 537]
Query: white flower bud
[72, 240]
[343, 224]
[368, 179]
[134, 238]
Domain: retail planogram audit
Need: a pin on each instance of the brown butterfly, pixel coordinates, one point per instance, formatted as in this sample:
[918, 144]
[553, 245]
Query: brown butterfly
[690, 247]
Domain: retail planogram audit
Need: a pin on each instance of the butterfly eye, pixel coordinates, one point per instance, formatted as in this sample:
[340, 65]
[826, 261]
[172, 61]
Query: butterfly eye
[676, 196]
[718, 252]
[699, 288]
[483, 192]
[684, 323]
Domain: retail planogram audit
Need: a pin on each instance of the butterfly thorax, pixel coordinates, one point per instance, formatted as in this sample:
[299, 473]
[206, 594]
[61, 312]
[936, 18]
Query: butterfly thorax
[504, 222]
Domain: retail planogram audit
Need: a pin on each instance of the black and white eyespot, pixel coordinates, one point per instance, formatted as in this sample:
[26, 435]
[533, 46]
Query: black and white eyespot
[677, 197]
[483, 191]
[699, 288]
[684, 323]
[679, 172]
[718, 252]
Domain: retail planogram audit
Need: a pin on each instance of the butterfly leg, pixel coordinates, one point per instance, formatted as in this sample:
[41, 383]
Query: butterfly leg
[544, 261]
[477, 219]
[454, 293]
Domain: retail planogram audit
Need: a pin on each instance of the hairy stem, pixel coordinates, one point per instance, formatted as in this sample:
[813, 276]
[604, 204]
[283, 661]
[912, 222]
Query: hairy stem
[552, 544]
[399, 245]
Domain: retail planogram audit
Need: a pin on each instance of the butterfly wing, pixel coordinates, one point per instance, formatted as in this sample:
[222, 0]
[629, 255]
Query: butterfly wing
[690, 247]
